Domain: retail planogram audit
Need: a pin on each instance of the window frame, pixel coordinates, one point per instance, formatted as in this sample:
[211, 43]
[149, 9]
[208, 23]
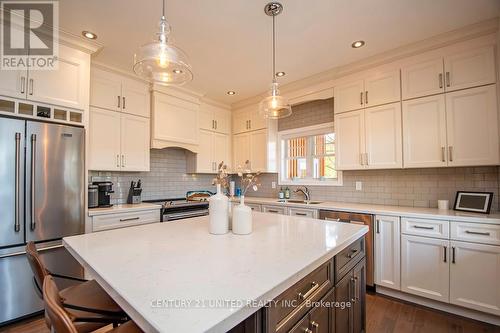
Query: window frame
[282, 158]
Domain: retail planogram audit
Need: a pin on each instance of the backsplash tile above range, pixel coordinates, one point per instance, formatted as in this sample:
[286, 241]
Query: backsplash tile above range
[167, 177]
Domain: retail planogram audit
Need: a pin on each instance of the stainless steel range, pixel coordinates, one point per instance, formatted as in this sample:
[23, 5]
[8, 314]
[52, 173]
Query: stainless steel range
[195, 204]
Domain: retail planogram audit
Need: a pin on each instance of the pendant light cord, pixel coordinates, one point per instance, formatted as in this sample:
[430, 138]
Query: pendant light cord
[274, 49]
[163, 8]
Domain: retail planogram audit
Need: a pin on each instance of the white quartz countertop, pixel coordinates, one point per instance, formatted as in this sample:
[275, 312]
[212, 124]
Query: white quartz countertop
[176, 277]
[418, 212]
[122, 208]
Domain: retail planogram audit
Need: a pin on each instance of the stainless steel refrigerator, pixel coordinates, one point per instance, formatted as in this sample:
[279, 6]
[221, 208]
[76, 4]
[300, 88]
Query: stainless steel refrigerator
[42, 200]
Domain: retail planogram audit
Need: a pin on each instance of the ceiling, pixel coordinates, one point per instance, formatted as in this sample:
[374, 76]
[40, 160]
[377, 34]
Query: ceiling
[229, 41]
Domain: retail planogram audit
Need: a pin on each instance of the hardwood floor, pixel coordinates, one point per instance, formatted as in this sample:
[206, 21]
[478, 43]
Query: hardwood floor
[384, 315]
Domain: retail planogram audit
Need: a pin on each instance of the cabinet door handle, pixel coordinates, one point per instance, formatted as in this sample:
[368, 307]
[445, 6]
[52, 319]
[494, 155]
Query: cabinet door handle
[31, 87]
[23, 84]
[422, 227]
[353, 290]
[445, 251]
[117, 160]
[250, 124]
[366, 97]
[119, 99]
[123, 98]
[366, 158]
[17, 224]
[440, 80]
[443, 154]
[378, 226]
[450, 153]
[361, 159]
[216, 124]
[308, 293]
[477, 233]
[453, 255]
[315, 326]
[129, 219]
[352, 254]
[307, 330]
[361, 98]
[123, 160]
[448, 83]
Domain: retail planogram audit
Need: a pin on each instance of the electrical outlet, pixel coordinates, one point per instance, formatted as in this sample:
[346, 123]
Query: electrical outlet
[359, 186]
[273, 184]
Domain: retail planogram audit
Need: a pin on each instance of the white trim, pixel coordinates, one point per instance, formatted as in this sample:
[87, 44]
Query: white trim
[306, 131]
[450, 308]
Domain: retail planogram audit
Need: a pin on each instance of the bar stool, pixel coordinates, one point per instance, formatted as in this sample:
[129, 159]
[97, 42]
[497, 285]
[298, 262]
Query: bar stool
[86, 302]
[62, 321]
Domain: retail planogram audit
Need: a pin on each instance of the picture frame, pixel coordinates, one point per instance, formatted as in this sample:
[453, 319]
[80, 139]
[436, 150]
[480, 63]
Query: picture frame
[473, 202]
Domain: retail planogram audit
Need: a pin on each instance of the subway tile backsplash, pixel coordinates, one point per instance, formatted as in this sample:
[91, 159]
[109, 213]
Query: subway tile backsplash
[167, 178]
[409, 187]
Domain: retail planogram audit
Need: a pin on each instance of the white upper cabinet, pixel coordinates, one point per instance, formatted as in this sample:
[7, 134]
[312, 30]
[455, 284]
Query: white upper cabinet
[213, 149]
[349, 96]
[350, 137]
[377, 88]
[67, 86]
[383, 137]
[175, 122]
[424, 132]
[105, 90]
[104, 140]
[135, 98]
[13, 83]
[470, 68]
[447, 70]
[382, 88]
[472, 126]
[248, 119]
[118, 141]
[119, 93]
[215, 118]
[387, 252]
[258, 151]
[422, 77]
[134, 143]
[424, 267]
[241, 149]
[221, 149]
[475, 276]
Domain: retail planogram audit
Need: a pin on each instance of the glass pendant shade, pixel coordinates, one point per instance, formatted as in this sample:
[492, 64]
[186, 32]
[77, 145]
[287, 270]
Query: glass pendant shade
[161, 62]
[275, 106]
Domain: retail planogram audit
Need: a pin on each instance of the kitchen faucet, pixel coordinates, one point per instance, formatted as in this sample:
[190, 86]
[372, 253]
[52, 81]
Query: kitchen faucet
[305, 192]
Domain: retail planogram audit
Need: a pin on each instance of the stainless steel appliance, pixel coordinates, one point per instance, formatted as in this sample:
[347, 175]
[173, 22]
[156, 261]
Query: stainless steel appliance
[41, 200]
[356, 218]
[104, 190]
[182, 208]
[93, 200]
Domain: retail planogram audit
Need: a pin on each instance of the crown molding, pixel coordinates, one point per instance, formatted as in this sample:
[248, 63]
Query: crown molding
[116, 70]
[215, 103]
[451, 37]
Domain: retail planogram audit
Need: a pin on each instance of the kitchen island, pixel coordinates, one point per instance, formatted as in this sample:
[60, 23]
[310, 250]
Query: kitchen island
[176, 277]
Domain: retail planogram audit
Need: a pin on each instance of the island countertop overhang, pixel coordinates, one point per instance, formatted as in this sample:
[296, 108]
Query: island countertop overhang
[182, 261]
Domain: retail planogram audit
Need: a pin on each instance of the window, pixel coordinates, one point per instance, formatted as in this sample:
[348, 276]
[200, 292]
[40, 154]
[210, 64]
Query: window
[307, 156]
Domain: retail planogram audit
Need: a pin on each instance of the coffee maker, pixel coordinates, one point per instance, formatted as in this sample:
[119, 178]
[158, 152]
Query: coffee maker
[104, 189]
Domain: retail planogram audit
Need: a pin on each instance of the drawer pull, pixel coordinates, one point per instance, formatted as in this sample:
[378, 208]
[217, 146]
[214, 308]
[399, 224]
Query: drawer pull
[331, 219]
[308, 331]
[477, 233]
[129, 219]
[352, 254]
[315, 326]
[313, 288]
[272, 211]
[300, 214]
[421, 227]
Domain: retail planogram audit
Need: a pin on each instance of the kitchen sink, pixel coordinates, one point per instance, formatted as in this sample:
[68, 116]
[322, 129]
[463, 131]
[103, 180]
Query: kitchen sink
[301, 202]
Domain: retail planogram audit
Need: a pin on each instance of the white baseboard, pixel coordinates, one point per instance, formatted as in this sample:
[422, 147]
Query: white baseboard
[450, 308]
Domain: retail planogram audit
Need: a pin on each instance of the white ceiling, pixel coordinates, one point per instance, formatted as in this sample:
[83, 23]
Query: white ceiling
[229, 41]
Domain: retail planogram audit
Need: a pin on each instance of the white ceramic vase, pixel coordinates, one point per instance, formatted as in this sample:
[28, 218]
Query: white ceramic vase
[218, 213]
[242, 218]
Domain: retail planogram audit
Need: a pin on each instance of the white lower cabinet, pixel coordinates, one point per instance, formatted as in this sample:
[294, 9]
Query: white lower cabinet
[303, 212]
[126, 219]
[424, 267]
[387, 252]
[475, 276]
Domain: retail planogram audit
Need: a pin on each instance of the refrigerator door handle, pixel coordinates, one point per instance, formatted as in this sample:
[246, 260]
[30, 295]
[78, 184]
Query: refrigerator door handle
[20, 253]
[32, 194]
[17, 225]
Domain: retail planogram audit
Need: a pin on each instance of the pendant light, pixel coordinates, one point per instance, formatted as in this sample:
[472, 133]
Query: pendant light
[274, 106]
[160, 61]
